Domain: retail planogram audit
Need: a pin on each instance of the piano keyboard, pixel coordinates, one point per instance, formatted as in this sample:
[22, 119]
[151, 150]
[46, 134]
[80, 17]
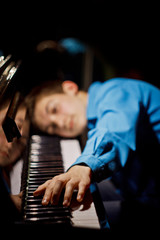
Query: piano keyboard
[43, 166]
[48, 157]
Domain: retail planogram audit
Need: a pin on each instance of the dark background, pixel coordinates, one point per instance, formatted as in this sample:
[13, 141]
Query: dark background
[127, 35]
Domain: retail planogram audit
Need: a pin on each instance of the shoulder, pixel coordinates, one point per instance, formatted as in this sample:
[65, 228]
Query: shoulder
[138, 89]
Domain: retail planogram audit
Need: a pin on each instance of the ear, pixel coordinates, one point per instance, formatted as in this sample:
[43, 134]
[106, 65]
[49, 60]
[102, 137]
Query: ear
[70, 87]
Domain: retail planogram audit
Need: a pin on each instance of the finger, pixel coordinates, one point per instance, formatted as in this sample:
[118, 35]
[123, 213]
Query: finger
[81, 192]
[41, 189]
[48, 193]
[56, 192]
[53, 191]
[20, 194]
[68, 193]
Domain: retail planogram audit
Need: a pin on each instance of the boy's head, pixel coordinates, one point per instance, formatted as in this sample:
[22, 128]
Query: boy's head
[58, 107]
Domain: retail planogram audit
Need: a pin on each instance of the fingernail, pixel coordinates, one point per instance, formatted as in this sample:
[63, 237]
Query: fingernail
[66, 203]
[44, 201]
[79, 198]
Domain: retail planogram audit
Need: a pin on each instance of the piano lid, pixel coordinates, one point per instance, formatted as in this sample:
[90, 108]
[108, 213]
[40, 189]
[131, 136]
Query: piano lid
[8, 68]
[4, 61]
[9, 125]
[6, 78]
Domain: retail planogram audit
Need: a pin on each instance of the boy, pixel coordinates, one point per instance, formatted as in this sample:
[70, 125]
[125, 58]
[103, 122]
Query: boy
[123, 117]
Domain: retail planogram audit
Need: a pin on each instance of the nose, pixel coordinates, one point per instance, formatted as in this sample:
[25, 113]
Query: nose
[58, 120]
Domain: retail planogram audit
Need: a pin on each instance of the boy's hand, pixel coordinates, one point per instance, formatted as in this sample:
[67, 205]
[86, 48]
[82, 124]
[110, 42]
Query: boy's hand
[78, 177]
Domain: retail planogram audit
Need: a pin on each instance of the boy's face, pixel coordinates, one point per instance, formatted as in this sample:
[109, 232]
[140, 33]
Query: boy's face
[61, 113]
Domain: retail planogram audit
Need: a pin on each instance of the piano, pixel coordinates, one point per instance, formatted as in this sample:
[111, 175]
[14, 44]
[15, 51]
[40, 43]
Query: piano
[41, 165]
[45, 157]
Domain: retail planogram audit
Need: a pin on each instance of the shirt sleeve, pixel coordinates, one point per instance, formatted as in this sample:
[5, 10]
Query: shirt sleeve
[114, 135]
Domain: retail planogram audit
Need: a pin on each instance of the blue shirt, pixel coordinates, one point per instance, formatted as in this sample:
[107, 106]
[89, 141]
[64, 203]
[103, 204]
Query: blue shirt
[124, 130]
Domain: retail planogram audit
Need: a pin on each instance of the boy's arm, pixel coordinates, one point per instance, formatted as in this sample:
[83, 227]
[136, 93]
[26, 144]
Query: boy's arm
[114, 135]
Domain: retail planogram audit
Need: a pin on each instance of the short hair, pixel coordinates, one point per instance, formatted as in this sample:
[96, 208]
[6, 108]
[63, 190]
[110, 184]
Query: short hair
[46, 88]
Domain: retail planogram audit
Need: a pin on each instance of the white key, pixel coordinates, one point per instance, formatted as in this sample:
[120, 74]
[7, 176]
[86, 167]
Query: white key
[88, 218]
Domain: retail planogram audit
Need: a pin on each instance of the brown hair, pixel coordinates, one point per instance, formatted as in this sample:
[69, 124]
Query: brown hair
[46, 88]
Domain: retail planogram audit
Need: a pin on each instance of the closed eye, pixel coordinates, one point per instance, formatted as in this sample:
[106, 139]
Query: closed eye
[51, 107]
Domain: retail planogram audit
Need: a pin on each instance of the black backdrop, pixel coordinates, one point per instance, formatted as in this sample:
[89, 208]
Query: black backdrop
[126, 35]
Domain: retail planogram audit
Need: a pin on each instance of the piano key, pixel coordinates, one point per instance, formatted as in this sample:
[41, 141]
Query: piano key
[44, 164]
[51, 154]
[54, 219]
[37, 182]
[38, 146]
[32, 187]
[69, 155]
[48, 211]
[42, 174]
[52, 209]
[48, 215]
[45, 158]
[41, 169]
[80, 217]
[33, 201]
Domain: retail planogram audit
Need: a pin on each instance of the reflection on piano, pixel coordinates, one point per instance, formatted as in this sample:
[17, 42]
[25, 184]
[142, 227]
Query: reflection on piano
[8, 68]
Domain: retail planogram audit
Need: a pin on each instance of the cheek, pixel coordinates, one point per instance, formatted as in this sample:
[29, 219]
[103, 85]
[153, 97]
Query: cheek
[71, 106]
[40, 116]
[67, 108]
